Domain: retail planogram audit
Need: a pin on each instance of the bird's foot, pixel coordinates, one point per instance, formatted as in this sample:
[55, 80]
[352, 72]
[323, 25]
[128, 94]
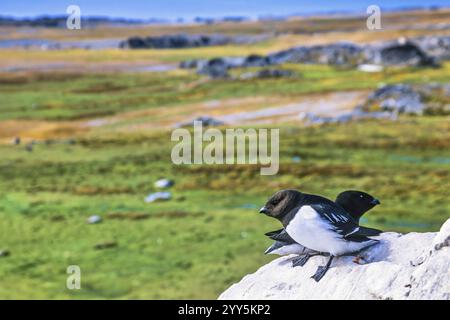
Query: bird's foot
[358, 259]
[320, 273]
[300, 260]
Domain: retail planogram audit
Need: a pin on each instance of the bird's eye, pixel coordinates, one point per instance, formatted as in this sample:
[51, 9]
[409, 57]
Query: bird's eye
[361, 196]
[275, 202]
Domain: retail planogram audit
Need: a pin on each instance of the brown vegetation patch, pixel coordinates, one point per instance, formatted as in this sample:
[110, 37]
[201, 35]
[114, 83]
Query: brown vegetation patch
[128, 215]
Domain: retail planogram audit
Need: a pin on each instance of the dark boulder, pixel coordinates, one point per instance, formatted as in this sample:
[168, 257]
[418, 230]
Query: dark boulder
[404, 54]
[215, 68]
[218, 67]
[334, 54]
[255, 60]
[175, 41]
[134, 43]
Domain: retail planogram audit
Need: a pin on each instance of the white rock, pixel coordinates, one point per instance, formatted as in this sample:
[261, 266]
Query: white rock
[94, 219]
[164, 183]
[370, 68]
[409, 266]
[158, 196]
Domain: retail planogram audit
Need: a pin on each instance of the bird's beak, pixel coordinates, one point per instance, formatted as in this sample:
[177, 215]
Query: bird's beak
[263, 210]
[375, 202]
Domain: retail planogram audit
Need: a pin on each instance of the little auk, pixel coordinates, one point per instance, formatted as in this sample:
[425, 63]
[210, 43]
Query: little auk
[319, 224]
[356, 203]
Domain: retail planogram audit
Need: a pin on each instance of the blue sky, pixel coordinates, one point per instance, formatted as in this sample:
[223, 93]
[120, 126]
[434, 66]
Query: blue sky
[171, 9]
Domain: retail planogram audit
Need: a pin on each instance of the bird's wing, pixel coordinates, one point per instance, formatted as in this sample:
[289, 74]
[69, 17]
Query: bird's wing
[270, 234]
[369, 232]
[338, 218]
[281, 236]
[355, 237]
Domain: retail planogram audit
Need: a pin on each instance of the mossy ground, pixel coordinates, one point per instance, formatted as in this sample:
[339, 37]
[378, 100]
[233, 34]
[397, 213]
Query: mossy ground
[210, 234]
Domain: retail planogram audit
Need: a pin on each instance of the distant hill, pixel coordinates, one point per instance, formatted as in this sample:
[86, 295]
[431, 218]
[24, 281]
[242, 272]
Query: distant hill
[60, 21]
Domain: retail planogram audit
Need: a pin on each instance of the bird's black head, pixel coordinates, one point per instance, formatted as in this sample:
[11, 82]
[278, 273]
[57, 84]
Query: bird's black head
[281, 203]
[356, 203]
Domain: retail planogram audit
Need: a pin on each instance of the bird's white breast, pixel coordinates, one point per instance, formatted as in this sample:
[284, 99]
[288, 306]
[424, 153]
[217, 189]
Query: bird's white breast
[309, 229]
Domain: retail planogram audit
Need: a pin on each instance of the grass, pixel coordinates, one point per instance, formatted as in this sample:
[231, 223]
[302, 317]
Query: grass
[191, 247]
[71, 97]
[210, 234]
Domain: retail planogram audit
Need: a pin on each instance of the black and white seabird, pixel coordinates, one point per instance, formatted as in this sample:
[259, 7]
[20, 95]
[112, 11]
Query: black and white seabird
[356, 203]
[317, 223]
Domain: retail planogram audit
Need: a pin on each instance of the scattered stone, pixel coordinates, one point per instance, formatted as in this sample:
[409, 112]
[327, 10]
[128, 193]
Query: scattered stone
[385, 273]
[4, 253]
[217, 67]
[370, 68]
[164, 183]
[266, 73]
[158, 196]
[106, 245]
[205, 120]
[296, 159]
[16, 141]
[29, 147]
[356, 114]
[94, 219]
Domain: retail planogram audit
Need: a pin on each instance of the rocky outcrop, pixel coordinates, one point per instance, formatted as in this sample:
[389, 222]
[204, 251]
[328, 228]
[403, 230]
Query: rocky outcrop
[431, 98]
[401, 266]
[419, 52]
[334, 54]
[435, 46]
[178, 41]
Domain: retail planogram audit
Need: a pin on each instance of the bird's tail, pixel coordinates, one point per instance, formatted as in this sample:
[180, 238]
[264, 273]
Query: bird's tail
[368, 232]
[273, 247]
